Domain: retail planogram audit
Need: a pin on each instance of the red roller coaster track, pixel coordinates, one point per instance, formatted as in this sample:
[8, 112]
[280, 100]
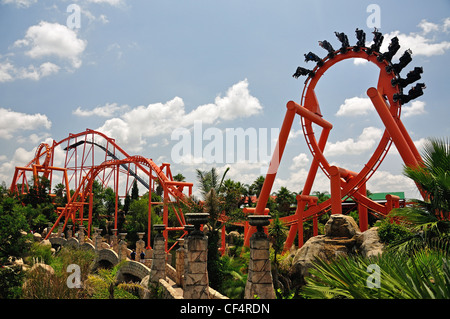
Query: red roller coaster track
[89, 156]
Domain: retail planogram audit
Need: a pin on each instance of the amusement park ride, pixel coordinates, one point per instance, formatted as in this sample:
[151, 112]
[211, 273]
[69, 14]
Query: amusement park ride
[92, 155]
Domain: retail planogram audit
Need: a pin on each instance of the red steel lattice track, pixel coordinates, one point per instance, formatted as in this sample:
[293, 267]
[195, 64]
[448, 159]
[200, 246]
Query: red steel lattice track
[89, 156]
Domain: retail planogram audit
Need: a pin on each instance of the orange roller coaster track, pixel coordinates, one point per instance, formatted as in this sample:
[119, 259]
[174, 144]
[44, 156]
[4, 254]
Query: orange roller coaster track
[386, 98]
[100, 158]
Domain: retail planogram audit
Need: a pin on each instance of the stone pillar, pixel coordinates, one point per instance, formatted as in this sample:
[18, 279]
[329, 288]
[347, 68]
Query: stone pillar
[140, 246]
[122, 247]
[98, 239]
[81, 234]
[114, 241]
[60, 232]
[259, 280]
[196, 280]
[69, 232]
[189, 229]
[179, 266]
[158, 270]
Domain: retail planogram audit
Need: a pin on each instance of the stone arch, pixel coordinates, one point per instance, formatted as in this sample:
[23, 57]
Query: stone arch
[87, 246]
[132, 270]
[73, 242]
[57, 242]
[106, 258]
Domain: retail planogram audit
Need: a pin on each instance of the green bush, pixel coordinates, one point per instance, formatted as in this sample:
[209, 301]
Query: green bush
[391, 232]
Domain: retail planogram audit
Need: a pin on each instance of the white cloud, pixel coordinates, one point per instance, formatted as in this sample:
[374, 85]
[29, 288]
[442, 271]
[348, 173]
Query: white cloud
[8, 72]
[53, 40]
[428, 27]
[20, 3]
[383, 181]
[134, 126]
[299, 161]
[114, 3]
[419, 43]
[416, 108]
[11, 122]
[108, 110]
[6, 69]
[355, 106]
[366, 141]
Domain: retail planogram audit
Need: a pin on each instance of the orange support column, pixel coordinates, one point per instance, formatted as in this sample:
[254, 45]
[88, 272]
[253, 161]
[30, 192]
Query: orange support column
[336, 198]
[362, 210]
[166, 215]
[149, 222]
[393, 129]
[273, 167]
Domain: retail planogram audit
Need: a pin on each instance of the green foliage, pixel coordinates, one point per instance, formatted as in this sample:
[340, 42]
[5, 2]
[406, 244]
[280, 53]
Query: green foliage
[11, 279]
[422, 275]
[391, 232]
[39, 252]
[13, 220]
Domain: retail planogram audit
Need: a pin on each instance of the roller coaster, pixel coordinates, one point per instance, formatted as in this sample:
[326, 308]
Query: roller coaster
[91, 155]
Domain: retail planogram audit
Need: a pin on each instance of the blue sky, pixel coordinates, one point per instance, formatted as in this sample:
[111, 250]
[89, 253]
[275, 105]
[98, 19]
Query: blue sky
[138, 70]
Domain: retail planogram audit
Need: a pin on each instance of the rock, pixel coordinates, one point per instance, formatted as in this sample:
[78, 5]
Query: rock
[37, 237]
[46, 242]
[342, 237]
[341, 226]
[40, 267]
[145, 292]
[369, 243]
[233, 236]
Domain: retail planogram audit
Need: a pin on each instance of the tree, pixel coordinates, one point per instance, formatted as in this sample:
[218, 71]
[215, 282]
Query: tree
[179, 178]
[12, 222]
[428, 219]
[212, 203]
[284, 199]
[277, 235]
[134, 191]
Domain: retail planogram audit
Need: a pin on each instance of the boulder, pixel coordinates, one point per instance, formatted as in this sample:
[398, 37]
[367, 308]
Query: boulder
[341, 226]
[369, 243]
[40, 267]
[46, 242]
[342, 237]
[37, 237]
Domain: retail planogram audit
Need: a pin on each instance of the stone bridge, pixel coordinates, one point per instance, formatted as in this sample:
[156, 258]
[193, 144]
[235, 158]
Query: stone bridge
[132, 271]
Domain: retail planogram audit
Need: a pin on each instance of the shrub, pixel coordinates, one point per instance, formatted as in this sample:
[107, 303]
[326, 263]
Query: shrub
[392, 232]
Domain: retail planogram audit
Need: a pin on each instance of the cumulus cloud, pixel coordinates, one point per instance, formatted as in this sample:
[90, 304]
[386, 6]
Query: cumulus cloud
[366, 141]
[11, 122]
[114, 3]
[20, 3]
[107, 110]
[355, 106]
[9, 72]
[134, 126]
[416, 108]
[423, 43]
[383, 181]
[53, 40]
[299, 161]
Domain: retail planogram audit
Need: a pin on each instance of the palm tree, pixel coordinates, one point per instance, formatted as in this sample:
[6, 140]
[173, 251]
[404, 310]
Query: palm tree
[428, 219]
[284, 199]
[214, 205]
